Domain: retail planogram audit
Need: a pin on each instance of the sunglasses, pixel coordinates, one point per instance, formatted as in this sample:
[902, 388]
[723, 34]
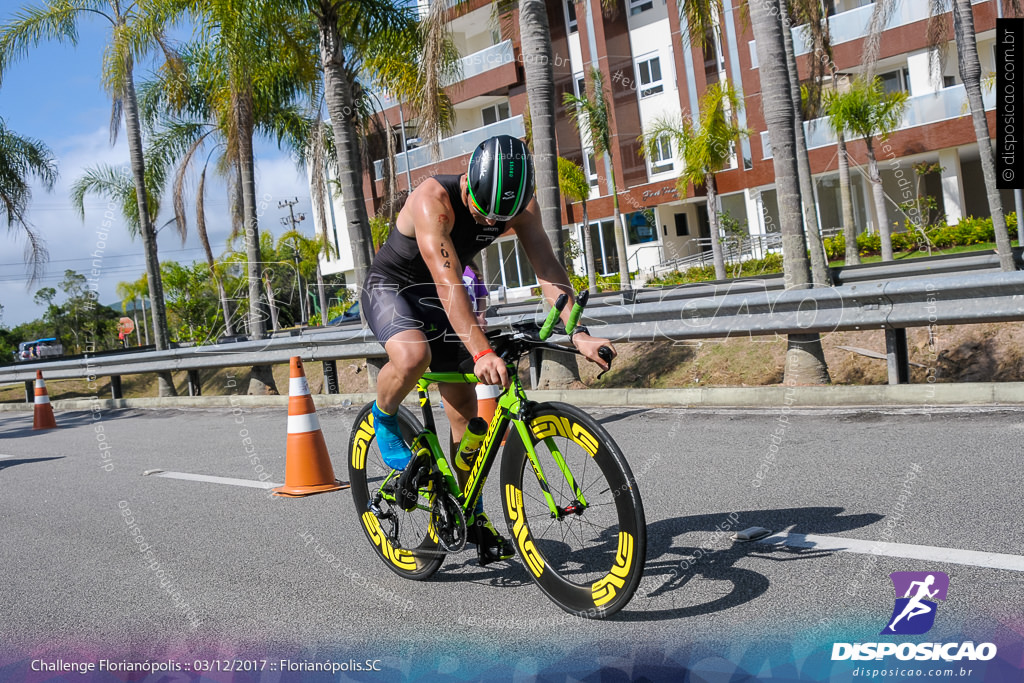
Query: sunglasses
[486, 214]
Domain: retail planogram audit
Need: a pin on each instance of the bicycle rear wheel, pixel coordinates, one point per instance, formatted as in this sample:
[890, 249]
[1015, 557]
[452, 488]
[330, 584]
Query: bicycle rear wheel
[588, 559]
[404, 540]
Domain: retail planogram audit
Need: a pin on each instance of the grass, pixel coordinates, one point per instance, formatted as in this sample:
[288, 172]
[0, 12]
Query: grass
[901, 256]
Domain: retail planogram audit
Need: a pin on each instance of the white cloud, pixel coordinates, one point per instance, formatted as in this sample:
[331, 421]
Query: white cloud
[72, 243]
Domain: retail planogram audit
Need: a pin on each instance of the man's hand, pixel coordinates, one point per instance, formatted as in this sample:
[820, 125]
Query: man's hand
[588, 346]
[490, 369]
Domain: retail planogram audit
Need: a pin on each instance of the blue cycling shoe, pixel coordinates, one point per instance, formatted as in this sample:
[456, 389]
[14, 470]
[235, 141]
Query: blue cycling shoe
[389, 439]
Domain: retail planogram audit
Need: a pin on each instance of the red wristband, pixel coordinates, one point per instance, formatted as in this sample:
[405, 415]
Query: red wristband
[482, 354]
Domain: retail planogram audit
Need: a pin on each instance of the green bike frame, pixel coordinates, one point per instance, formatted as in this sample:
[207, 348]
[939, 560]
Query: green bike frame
[513, 408]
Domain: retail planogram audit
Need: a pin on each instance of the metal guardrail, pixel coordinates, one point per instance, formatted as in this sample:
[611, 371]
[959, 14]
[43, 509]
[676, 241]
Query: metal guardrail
[891, 305]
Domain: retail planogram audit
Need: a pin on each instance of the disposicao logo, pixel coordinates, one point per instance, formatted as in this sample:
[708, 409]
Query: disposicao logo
[914, 614]
[915, 608]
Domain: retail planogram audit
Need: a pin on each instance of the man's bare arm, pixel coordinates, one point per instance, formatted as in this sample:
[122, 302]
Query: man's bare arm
[433, 219]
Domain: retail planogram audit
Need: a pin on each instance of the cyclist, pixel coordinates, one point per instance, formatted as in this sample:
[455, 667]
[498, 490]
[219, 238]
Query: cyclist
[415, 302]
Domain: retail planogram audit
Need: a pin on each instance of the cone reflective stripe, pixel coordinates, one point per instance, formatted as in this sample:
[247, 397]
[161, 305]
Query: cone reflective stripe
[308, 467]
[42, 417]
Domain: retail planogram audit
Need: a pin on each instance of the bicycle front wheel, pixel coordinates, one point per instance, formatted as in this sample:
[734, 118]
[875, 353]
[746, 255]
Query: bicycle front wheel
[588, 554]
[404, 540]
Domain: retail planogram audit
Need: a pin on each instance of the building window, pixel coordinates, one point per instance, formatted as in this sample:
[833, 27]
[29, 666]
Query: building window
[570, 15]
[591, 168]
[661, 157]
[641, 227]
[602, 237]
[895, 81]
[649, 76]
[508, 265]
[495, 112]
[638, 6]
[682, 227]
[495, 35]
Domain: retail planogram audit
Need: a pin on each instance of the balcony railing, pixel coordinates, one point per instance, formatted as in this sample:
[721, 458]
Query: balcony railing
[484, 60]
[471, 65]
[854, 24]
[453, 147]
[948, 103]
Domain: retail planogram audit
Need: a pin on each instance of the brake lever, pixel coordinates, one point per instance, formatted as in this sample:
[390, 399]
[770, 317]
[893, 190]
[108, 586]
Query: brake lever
[605, 354]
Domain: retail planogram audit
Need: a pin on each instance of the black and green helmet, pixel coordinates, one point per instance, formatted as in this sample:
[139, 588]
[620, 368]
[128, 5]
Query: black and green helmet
[500, 177]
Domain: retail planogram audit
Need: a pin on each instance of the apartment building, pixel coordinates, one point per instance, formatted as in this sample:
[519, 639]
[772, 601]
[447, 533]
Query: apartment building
[652, 69]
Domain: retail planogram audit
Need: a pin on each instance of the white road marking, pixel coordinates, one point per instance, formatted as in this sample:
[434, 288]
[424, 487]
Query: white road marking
[216, 480]
[930, 553]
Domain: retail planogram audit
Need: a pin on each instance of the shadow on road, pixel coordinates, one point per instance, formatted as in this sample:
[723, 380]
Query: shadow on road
[18, 425]
[11, 462]
[622, 416]
[673, 567]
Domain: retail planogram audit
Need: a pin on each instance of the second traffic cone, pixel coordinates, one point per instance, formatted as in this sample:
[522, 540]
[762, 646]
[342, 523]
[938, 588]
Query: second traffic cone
[487, 402]
[42, 417]
[307, 464]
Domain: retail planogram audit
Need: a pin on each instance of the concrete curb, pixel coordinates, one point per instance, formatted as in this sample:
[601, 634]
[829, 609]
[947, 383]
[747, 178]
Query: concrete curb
[919, 395]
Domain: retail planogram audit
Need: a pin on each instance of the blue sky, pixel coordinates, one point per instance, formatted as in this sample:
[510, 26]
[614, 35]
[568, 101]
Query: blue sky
[55, 95]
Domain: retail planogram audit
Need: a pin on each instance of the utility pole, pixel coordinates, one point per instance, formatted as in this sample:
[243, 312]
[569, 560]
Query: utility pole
[292, 223]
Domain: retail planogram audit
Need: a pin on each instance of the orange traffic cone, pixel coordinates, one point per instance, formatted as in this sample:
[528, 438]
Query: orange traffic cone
[487, 402]
[42, 417]
[307, 464]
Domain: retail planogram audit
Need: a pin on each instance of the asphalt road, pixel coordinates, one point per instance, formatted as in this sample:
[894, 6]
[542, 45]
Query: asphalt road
[255, 573]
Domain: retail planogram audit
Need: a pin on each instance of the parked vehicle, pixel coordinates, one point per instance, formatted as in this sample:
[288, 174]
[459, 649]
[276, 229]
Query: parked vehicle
[47, 347]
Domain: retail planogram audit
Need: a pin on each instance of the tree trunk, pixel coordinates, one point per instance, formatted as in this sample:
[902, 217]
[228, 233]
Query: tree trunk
[149, 241]
[261, 381]
[970, 74]
[812, 230]
[338, 94]
[540, 91]
[620, 234]
[884, 229]
[588, 252]
[805, 362]
[716, 241]
[846, 199]
[271, 303]
[228, 328]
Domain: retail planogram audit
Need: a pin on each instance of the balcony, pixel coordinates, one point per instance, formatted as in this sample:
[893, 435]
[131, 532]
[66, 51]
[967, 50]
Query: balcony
[475, 64]
[453, 147]
[948, 103]
[484, 60]
[854, 24]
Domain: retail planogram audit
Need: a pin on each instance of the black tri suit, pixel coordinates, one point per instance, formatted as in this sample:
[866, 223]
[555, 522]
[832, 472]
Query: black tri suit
[400, 294]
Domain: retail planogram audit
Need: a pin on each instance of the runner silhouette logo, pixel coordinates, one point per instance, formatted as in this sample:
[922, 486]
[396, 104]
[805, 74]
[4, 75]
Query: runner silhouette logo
[916, 593]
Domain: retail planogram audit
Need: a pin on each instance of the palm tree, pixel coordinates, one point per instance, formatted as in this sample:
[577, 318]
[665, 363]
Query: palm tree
[805, 361]
[575, 186]
[308, 251]
[812, 230]
[20, 160]
[970, 74]
[590, 115]
[706, 147]
[135, 30]
[867, 111]
[381, 40]
[540, 91]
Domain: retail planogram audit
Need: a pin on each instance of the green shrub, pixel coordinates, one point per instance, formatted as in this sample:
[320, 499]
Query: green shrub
[869, 243]
[835, 247]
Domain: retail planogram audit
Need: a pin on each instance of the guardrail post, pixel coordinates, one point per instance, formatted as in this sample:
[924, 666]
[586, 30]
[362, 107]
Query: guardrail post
[115, 386]
[896, 355]
[535, 361]
[330, 376]
[373, 368]
[30, 391]
[195, 387]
